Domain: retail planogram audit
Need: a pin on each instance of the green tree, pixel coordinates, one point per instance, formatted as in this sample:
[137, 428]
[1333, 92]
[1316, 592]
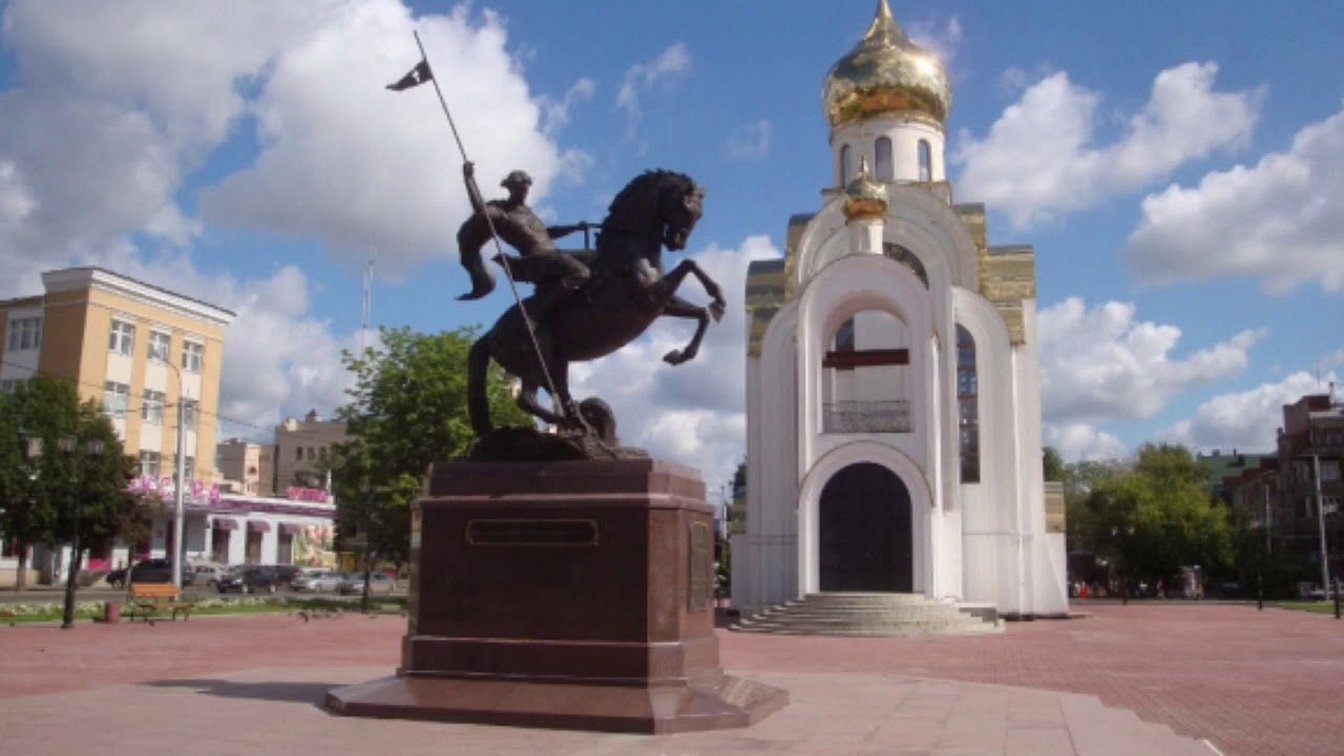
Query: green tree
[1159, 516]
[1052, 464]
[408, 409]
[44, 495]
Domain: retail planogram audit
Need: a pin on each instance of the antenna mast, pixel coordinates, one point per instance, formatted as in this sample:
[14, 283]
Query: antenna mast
[366, 315]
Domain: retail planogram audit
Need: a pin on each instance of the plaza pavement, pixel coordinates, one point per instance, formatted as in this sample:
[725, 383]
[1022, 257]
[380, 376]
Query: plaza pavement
[1138, 679]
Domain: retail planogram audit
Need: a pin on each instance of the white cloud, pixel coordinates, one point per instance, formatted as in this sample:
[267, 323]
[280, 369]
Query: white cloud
[1040, 159]
[1080, 441]
[940, 39]
[107, 117]
[750, 142]
[557, 111]
[1278, 221]
[1246, 420]
[361, 168]
[673, 62]
[1101, 364]
[692, 413]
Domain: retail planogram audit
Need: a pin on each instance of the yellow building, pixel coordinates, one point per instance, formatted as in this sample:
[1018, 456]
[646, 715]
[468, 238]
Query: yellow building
[137, 349]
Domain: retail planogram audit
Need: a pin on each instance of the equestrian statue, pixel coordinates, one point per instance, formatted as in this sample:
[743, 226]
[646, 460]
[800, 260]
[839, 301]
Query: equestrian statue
[585, 306]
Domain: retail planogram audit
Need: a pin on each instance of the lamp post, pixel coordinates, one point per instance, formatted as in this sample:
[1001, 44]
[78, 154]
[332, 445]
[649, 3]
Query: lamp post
[70, 447]
[1121, 536]
[179, 482]
[1264, 554]
[1320, 521]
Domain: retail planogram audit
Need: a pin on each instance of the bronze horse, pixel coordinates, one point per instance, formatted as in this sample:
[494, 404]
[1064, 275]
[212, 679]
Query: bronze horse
[627, 291]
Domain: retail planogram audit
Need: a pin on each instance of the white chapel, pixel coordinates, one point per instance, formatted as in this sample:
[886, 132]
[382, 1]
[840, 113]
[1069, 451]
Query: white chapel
[893, 406]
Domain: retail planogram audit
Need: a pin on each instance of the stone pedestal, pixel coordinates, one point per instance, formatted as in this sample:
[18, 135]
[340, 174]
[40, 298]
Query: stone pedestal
[574, 595]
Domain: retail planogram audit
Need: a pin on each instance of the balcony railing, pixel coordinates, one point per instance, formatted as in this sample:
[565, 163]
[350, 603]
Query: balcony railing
[856, 416]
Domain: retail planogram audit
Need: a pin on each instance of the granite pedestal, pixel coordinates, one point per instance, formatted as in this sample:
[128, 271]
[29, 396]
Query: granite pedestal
[575, 595]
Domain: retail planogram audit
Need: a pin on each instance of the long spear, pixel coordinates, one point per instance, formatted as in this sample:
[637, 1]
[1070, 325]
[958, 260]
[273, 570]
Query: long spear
[419, 75]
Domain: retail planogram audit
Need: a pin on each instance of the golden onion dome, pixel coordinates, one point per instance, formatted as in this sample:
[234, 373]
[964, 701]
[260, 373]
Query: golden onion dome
[865, 198]
[886, 73]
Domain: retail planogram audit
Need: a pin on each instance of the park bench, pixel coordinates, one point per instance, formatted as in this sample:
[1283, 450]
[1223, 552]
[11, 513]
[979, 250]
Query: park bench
[149, 600]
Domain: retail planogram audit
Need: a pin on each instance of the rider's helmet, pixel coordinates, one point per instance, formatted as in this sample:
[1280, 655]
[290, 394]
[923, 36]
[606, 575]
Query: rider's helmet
[516, 178]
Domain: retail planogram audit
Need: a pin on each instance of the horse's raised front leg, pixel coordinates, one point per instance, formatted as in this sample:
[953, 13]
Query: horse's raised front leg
[673, 279]
[677, 307]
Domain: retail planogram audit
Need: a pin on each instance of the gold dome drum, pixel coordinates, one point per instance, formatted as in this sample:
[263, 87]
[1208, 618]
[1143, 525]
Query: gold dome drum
[886, 73]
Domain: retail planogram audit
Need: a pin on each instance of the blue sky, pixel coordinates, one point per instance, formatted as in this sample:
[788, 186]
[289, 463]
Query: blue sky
[1176, 166]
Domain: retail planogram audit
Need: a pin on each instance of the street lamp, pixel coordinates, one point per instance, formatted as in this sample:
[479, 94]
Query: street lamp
[70, 446]
[181, 473]
[1265, 553]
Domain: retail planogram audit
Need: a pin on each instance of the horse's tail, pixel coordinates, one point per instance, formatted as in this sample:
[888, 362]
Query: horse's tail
[470, 238]
[478, 404]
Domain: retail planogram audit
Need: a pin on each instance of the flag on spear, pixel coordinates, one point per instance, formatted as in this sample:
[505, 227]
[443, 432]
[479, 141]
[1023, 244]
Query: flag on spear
[418, 75]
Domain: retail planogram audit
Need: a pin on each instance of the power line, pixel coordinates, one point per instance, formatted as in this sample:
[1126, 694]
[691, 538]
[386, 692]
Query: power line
[129, 398]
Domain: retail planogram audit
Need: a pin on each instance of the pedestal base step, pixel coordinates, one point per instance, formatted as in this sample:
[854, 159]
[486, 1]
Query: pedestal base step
[722, 703]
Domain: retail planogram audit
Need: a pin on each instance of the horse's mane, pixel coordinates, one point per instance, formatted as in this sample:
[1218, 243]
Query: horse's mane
[637, 197]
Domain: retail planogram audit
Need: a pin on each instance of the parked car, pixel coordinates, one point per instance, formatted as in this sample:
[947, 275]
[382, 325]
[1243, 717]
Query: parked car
[379, 583]
[149, 571]
[317, 580]
[249, 579]
[208, 573]
[285, 573]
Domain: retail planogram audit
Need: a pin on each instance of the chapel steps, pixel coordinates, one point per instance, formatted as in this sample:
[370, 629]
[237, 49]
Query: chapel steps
[871, 614]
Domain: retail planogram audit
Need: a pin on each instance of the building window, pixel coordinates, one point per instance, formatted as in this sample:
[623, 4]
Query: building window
[10, 385]
[122, 338]
[298, 454]
[25, 333]
[189, 414]
[844, 336]
[844, 165]
[322, 453]
[188, 468]
[115, 397]
[149, 464]
[312, 454]
[968, 397]
[193, 356]
[160, 345]
[882, 150]
[151, 410]
[925, 160]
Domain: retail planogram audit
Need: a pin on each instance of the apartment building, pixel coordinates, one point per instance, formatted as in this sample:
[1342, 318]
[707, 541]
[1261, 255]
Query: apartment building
[246, 467]
[303, 450]
[1296, 493]
[141, 351]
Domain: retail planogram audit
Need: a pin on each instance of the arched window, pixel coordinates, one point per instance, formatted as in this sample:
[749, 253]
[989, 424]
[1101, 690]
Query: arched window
[925, 161]
[844, 165]
[844, 337]
[968, 392]
[908, 259]
[882, 150]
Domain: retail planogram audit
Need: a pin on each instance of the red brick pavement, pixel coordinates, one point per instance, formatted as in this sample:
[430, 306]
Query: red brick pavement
[1252, 682]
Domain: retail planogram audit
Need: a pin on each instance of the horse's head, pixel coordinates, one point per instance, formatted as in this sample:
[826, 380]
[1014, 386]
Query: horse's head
[657, 206]
[680, 208]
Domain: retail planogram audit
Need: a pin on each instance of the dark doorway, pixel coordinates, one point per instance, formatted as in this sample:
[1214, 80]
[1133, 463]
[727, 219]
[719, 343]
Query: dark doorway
[865, 534]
